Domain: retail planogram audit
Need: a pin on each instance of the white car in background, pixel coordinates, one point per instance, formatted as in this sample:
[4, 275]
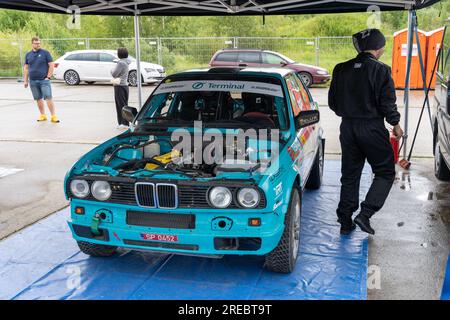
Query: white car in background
[96, 65]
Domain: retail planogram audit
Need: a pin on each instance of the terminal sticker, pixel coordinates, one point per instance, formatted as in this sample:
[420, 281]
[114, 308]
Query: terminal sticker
[220, 85]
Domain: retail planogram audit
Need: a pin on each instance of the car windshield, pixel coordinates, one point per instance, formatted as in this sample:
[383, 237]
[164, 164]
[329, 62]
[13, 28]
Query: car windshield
[217, 103]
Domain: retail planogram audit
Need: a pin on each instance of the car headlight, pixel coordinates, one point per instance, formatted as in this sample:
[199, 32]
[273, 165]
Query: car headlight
[322, 72]
[220, 197]
[101, 190]
[79, 188]
[150, 70]
[248, 197]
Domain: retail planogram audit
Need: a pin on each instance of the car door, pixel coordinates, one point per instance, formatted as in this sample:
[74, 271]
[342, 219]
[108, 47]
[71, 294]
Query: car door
[307, 137]
[88, 68]
[105, 66]
[441, 97]
[249, 58]
[272, 60]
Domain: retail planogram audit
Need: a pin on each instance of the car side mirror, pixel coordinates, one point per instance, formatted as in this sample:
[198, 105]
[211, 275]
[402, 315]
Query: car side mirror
[306, 119]
[129, 113]
[116, 60]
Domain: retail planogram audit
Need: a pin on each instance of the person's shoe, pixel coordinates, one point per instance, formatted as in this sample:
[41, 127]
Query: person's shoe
[347, 225]
[55, 119]
[346, 229]
[364, 223]
[41, 118]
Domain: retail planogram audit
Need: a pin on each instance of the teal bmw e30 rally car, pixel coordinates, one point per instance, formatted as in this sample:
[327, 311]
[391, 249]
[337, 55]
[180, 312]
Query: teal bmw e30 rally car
[214, 164]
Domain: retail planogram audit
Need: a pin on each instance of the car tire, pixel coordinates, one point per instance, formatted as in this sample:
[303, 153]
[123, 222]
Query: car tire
[315, 176]
[90, 82]
[71, 77]
[306, 78]
[132, 78]
[441, 169]
[96, 250]
[284, 257]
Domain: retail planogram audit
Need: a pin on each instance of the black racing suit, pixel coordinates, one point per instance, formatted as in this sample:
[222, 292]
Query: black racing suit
[362, 93]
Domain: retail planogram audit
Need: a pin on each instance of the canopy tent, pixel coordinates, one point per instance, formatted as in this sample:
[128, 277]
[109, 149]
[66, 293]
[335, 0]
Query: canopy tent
[138, 8]
[210, 7]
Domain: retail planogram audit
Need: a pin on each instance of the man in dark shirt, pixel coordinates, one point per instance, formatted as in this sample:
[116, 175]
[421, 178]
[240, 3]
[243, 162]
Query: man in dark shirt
[362, 93]
[38, 70]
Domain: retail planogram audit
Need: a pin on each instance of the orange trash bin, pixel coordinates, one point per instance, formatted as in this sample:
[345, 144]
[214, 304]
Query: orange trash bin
[399, 55]
[434, 43]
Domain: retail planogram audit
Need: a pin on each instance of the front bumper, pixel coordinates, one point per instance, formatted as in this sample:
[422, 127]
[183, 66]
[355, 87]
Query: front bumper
[204, 238]
[154, 78]
[320, 79]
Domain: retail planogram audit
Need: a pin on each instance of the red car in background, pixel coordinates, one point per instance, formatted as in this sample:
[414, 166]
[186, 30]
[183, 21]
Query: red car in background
[263, 58]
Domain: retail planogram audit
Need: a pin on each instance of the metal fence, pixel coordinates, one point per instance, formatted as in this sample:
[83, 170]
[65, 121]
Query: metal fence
[177, 54]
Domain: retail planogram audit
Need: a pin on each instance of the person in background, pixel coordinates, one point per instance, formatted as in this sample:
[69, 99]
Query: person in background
[362, 93]
[37, 71]
[120, 82]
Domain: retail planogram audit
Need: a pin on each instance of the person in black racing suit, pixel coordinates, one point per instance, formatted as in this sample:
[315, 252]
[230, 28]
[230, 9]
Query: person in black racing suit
[362, 93]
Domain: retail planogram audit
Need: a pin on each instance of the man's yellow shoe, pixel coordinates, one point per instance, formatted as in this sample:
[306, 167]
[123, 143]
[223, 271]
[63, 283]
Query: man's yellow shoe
[42, 117]
[55, 119]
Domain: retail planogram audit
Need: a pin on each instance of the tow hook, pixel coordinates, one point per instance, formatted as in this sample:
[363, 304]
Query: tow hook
[101, 215]
[95, 223]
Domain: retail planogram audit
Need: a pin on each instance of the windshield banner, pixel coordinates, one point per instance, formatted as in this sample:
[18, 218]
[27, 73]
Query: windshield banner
[214, 85]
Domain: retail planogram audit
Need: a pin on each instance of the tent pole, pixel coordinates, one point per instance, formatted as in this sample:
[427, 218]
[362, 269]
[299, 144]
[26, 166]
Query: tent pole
[138, 56]
[407, 80]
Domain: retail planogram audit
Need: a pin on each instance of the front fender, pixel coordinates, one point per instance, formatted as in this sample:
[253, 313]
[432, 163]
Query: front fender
[80, 164]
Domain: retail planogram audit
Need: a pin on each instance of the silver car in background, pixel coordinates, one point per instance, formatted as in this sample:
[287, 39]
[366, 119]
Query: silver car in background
[95, 66]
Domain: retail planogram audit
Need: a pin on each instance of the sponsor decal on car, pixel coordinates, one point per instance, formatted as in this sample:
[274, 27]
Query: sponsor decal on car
[278, 189]
[216, 85]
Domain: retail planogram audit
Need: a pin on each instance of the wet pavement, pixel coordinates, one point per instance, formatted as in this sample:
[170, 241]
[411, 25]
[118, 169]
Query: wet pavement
[412, 240]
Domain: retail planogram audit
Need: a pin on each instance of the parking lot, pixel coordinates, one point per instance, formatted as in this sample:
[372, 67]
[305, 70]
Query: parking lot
[413, 226]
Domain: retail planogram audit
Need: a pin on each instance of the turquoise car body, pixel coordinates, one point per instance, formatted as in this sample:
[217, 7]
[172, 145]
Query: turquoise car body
[297, 152]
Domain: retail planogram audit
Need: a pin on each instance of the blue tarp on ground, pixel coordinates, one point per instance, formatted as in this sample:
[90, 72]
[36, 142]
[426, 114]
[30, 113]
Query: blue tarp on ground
[43, 262]
[446, 287]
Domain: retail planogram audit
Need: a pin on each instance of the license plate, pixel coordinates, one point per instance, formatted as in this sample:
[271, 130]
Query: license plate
[159, 237]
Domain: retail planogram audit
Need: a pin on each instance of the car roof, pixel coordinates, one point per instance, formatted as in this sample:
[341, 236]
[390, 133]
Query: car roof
[94, 51]
[245, 50]
[236, 70]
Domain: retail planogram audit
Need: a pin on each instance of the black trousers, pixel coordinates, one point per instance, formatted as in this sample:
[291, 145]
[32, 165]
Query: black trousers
[121, 94]
[361, 140]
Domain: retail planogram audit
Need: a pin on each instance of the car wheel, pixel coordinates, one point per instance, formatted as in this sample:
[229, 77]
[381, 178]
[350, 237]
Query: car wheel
[132, 78]
[96, 250]
[71, 77]
[441, 170]
[316, 174]
[307, 78]
[284, 257]
[90, 82]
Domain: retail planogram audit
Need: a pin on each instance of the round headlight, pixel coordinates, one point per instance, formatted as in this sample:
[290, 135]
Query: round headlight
[101, 190]
[220, 197]
[79, 188]
[248, 197]
[322, 72]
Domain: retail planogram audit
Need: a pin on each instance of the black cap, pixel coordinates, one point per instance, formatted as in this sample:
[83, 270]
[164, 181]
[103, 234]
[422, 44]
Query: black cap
[369, 39]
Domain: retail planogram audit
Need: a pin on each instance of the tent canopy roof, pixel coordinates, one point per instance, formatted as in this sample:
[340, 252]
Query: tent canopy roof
[209, 7]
